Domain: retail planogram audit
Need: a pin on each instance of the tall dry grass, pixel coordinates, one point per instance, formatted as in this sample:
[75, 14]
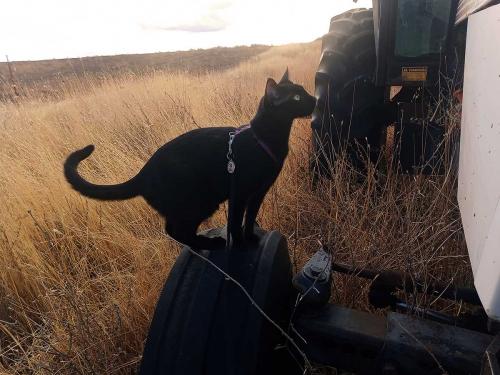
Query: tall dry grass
[80, 278]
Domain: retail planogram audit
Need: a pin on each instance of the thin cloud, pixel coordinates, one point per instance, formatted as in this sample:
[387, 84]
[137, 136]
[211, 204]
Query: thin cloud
[207, 23]
[222, 4]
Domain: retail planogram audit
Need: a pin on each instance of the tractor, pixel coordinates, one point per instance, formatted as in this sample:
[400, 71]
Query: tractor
[390, 66]
[243, 312]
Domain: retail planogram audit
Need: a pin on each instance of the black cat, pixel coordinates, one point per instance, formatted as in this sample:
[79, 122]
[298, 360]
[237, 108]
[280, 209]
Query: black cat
[187, 178]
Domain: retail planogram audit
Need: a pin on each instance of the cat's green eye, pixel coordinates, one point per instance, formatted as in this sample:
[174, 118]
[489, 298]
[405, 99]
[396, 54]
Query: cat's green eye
[296, 97]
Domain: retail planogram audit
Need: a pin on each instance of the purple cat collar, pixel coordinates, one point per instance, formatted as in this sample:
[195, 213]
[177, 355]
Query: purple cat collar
[261, 143]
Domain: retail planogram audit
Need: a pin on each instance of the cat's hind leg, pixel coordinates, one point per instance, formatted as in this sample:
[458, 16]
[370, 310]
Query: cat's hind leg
[185, 233]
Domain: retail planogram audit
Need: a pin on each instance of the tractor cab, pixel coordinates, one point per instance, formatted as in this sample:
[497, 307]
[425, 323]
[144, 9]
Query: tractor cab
[411, 38]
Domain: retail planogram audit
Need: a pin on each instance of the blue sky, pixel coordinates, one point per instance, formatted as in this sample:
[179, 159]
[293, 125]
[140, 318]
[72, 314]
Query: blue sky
[44, 29]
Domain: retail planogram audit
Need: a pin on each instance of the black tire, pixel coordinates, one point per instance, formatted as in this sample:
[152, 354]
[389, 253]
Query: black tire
[204, 325]
[350, 113]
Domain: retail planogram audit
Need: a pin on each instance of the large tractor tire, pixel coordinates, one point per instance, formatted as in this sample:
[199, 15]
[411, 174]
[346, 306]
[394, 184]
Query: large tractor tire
[350, 115]
[205, 325]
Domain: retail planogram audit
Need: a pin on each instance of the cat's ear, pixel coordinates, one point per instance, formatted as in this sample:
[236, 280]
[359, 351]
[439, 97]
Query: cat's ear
[285, 79]
[271, 92]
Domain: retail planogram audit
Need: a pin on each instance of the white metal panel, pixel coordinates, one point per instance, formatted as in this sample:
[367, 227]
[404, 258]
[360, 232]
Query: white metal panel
[479, 171]
[467, 7]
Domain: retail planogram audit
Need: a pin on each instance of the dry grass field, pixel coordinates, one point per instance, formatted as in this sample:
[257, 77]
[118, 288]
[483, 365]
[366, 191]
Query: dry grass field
[49, 77]
[79, 278]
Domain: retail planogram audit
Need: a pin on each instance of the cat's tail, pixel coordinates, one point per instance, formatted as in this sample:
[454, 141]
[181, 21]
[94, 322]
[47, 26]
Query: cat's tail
[126, 190]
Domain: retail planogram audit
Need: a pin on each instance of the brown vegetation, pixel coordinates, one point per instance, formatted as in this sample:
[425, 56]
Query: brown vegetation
[48, 77]
[80, 278]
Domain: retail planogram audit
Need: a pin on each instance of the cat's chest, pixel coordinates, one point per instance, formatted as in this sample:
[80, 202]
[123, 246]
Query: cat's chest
[255, 164]
[255, 172]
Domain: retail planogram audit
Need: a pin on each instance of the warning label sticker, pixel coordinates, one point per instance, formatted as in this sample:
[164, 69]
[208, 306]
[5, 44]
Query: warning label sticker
[414, 74]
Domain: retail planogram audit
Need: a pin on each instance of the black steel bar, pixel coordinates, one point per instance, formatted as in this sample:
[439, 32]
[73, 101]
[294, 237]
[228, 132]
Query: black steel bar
[491, 360]
[360, 342]
[394, 279]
